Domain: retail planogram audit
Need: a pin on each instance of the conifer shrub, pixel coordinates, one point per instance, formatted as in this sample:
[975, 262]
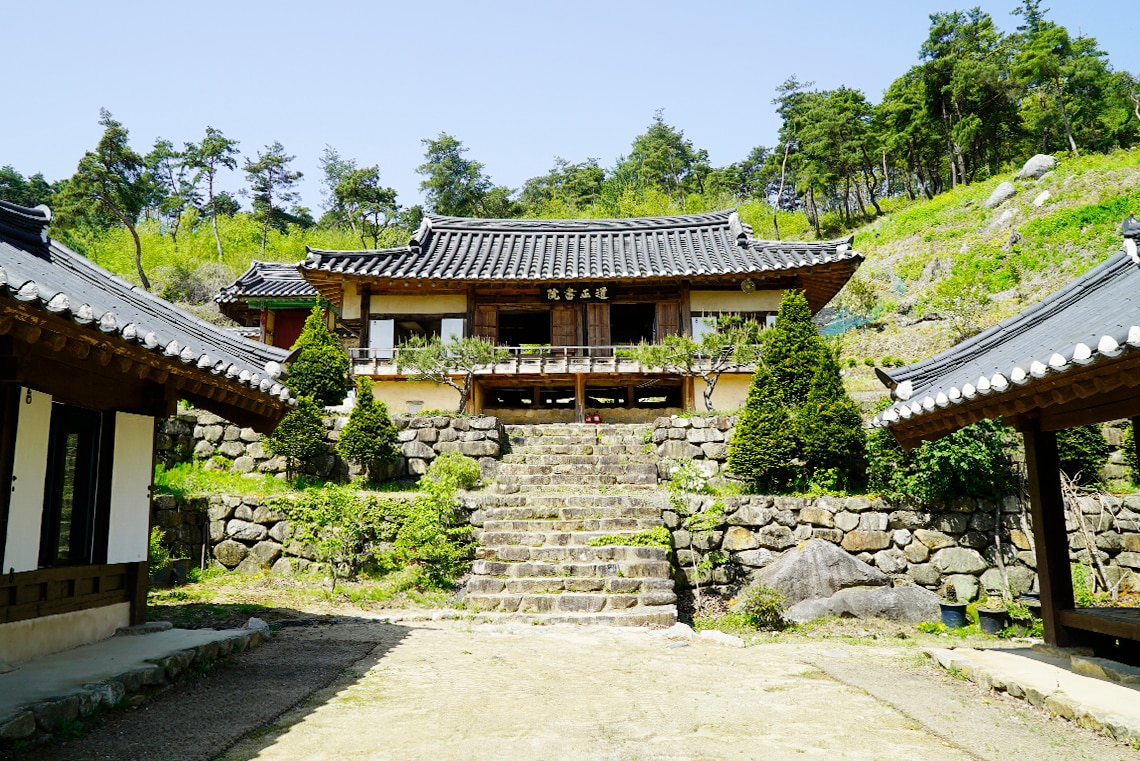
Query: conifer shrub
[798, 427]
[456, 467]
[369, 437]
[299, 436]
[1083, 452]
[320, 368]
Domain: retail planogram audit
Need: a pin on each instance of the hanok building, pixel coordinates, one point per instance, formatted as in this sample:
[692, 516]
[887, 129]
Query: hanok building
[566, 297]
[1071, 359]
[271, 297]
[88, 365]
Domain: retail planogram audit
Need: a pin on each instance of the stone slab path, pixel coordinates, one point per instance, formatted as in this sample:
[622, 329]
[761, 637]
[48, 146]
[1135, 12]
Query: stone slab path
[564, 692]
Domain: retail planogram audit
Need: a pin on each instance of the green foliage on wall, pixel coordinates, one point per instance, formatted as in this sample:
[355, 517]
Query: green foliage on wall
[1083, 452]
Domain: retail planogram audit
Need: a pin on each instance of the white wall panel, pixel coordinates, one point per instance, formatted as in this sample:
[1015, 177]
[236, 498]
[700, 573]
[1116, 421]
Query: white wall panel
[25, 513]
[130, 488]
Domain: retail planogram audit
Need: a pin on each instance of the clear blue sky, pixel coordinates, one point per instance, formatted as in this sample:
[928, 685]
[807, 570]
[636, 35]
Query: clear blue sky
[518, 82]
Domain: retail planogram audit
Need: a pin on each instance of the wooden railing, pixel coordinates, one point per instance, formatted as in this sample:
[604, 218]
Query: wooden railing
[50, 591]
[522, 360]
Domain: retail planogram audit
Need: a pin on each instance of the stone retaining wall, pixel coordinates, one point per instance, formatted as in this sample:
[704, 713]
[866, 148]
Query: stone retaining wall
[954, 545]
[200, 435]
[702, 439]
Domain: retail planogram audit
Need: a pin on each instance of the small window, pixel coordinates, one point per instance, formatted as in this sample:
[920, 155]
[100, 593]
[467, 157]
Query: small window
[67, 536]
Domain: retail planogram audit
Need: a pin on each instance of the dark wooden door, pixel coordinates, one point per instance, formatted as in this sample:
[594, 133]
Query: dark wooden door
[564, 325]
[668, 319]
[598, 328]
[487, 322]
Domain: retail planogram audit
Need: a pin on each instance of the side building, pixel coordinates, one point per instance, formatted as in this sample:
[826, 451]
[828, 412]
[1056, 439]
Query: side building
[88, 365]
[566, 297]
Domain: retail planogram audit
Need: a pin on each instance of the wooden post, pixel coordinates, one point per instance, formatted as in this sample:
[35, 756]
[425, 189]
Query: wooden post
[138, 582]
[365, 314]
[689, 393]
[579, 398]
[1047, 509]
[264, 324]
[630, 396]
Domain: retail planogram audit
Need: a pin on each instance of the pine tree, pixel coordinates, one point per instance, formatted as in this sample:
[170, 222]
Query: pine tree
[299, 436]
[762, 448]
[369, 437]
[320, 369]
[793, 349]
[829, 428]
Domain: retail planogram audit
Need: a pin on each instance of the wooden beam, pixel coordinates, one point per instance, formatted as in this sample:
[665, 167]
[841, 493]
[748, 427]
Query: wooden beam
[1047, 508]
[579, 398]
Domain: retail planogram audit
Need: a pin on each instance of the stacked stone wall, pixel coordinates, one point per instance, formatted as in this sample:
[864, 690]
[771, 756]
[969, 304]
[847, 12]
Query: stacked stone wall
[203, 436]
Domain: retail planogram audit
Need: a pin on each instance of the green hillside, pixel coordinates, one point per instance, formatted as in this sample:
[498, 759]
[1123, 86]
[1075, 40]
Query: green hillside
[937, 271]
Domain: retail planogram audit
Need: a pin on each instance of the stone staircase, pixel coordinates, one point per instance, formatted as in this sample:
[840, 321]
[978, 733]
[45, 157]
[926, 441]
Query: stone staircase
[560, 487]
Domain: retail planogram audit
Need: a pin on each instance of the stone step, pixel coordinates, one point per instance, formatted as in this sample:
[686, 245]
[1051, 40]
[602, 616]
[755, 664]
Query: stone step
[554, 512]
[566, 602]
[550, 538]
[578, 429]
[591, 499]
[604, 525]
[593, 479]
[570, 450]
[512, 469]
[661, 616]
[525, 442]
[593, 460]
[490, 585]
[569, 553]
[632, 569]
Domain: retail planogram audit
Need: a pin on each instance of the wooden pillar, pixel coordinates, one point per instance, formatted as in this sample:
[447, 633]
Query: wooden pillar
[1047, 509]
[579, 398]
[365, 314]
[630, 396]
[138, 582]
[688, 393]
[264, 325]
[686, 312]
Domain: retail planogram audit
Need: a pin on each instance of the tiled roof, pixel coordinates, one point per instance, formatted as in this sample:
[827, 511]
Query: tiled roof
[46, 275]
[1092, 319]
[458, 248]
[268, 280]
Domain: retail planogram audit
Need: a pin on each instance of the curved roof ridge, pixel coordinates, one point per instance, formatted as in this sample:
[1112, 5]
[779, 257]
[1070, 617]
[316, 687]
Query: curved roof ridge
[442, 222]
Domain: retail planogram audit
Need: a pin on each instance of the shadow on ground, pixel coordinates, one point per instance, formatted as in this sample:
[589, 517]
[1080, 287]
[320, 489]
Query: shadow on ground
[202, 715]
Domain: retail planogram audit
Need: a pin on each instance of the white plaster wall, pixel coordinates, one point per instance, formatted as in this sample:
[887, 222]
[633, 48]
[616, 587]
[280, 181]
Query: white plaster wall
[448, 303]
[24, 640]
[131, 477]
[735, 301]
[350, 301]
[729, 395]
[398, 394]
[25, 513]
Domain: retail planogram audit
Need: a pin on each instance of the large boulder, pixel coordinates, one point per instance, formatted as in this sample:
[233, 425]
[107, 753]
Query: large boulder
[1002, 193]
[1036, 167]
[817, 570]
[909, 604]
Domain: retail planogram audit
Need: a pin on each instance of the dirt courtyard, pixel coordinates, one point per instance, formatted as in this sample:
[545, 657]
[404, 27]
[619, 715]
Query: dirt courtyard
[458, 690]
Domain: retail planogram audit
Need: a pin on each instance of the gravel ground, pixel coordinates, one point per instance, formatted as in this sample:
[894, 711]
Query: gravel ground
[454, 690]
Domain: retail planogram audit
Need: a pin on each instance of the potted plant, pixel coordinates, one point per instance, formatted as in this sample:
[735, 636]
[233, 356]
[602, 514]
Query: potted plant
[953, 612]
[992, 615]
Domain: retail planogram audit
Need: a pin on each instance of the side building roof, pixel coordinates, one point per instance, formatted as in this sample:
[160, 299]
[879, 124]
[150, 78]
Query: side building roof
[264, 282]
[1045, 358]
[46, 286]
[712, 246]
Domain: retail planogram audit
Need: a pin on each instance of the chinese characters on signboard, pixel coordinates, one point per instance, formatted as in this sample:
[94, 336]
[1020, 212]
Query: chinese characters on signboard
[576, 293]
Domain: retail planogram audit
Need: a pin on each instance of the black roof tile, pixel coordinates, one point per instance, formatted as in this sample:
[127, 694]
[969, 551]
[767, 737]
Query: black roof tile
[268, 280]
[460, 248]
[46, 275]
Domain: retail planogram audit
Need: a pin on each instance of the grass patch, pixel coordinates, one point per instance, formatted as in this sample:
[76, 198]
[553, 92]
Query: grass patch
[658, 536]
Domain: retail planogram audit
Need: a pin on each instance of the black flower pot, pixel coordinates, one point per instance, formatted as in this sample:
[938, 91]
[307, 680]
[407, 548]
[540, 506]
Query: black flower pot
[954, 614]
[993, 621]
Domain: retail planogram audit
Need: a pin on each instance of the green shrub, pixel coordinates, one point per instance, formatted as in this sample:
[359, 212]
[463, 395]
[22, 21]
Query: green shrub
[369, 437]
[299, 436]
[320, 368]
[430, 534]
[344, 529]
[157, 555]
[869, 361]
[461, 470]
[798, 426]
[658, 536]
[1083, 452]
[1128, 446]
[763, 607]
